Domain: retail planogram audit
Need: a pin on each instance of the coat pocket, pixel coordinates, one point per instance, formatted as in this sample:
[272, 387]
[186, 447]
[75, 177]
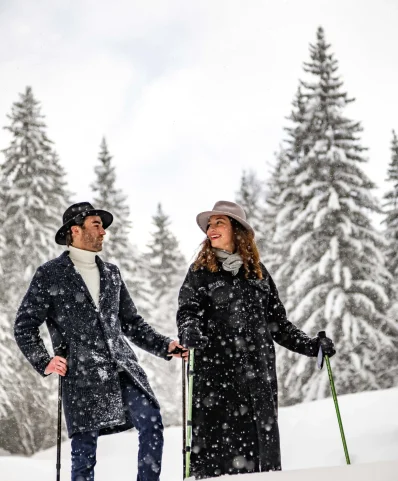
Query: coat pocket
[220, 293]
[259, 292]
[90, 366]
[94, 375]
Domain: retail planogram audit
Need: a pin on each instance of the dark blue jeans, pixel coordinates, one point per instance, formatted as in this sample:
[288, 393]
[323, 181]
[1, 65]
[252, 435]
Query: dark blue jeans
[147, 420]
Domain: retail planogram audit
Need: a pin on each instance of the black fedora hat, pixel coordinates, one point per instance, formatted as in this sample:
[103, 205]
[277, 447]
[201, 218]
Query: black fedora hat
[77, 212]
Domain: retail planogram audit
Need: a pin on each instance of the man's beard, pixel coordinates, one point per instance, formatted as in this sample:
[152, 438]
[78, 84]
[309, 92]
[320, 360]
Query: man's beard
[94, 243]
[98, 245]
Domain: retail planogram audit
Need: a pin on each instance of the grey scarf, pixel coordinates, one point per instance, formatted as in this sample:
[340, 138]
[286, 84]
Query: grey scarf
[230, 262]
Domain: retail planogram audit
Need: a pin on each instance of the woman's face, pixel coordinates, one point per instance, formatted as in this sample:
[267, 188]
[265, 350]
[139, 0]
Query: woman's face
[220, 233]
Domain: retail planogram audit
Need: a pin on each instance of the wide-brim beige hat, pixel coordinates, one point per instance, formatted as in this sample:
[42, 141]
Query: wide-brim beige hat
[223, 207]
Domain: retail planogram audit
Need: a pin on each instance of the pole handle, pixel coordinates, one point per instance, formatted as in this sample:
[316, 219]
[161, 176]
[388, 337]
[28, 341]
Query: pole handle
[321, 356]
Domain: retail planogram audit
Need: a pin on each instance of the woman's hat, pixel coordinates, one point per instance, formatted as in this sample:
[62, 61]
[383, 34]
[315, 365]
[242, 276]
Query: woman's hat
[77, 212]
[223, 207]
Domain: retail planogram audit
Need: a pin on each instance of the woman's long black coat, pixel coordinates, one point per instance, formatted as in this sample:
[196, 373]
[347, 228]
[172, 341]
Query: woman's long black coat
[235, 394]
[96, 342]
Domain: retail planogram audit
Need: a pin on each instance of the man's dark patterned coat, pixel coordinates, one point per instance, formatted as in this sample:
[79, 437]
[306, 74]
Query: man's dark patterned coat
[95, 341]
[235, 394]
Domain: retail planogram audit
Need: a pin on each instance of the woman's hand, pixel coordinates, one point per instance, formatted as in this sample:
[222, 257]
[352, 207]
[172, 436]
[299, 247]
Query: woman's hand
[192, 338]
[327, 346]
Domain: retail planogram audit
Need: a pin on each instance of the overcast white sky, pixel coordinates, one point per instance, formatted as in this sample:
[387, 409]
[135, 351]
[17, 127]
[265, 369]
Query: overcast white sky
[188, 94]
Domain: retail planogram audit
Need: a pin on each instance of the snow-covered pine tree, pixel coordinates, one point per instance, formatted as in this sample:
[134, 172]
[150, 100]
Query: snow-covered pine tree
[338, 273]
[391, 232]
[33, 202]
[60, 191]
[282, 196]
[35, 197]
[6, 339]
[251, 197]
[7, 354]
[166, 273]
[275, 252]
[391, 209]
[118, 249]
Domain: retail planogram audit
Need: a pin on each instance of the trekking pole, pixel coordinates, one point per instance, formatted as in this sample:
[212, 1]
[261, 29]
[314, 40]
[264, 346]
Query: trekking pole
[184, 416]
[59, 428]
[321, 335]
[189, 420]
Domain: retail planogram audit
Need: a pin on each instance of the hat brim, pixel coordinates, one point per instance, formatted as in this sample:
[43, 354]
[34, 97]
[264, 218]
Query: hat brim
[106, 217]
[202, 219]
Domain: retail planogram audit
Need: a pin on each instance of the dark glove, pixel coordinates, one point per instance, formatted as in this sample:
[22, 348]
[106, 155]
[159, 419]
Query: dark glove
[326, 345]
[192, 338]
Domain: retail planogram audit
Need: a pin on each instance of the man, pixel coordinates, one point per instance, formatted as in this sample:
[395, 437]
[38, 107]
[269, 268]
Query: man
[92, 321]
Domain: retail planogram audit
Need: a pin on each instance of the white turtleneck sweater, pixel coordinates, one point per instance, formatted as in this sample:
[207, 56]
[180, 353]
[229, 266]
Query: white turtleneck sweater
[84, 261]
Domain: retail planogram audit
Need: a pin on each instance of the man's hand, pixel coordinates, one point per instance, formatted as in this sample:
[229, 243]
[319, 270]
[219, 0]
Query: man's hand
[182, 352]
[58, 365]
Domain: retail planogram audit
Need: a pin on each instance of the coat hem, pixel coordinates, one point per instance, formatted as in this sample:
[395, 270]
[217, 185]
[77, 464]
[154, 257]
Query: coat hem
[108, 425]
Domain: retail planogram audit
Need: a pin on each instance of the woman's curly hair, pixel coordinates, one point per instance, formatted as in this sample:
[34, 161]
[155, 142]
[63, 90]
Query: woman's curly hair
[245, 247]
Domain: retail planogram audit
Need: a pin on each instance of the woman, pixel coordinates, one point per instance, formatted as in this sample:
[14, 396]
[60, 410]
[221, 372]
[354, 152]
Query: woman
[230, 312]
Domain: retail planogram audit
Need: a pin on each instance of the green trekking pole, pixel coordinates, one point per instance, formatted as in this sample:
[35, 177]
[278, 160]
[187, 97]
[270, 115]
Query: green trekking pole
[321, 335]
[189, 414]
[184, 416]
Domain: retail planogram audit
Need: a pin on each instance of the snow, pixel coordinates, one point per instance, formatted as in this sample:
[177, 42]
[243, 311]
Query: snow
[311, 446]
[385, 471]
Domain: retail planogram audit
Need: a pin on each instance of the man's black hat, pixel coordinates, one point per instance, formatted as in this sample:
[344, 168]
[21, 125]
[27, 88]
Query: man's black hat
[78, 212]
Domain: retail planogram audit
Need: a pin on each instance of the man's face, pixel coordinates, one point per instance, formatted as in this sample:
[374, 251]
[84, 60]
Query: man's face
[90, 236]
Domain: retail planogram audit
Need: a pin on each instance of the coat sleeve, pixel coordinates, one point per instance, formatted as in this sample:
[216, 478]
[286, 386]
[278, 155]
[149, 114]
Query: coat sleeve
[31, 314]
[283, 331]
[137, 330]
[191, 302]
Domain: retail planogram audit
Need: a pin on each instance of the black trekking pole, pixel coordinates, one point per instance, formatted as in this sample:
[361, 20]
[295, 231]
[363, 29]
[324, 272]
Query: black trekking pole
[191, 359]
[184, 416]
[321, 356]
[59, 428]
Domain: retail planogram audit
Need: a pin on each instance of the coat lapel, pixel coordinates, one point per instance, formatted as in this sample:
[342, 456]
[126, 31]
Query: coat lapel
[105, 281]
[73, 274]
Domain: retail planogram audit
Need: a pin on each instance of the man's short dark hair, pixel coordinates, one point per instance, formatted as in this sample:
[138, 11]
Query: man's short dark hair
[79, 221]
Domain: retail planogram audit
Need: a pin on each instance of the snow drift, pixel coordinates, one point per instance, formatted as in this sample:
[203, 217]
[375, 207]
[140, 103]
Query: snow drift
[311, 446]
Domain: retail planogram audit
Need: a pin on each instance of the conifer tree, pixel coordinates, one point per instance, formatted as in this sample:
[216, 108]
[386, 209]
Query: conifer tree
[109, 197]
[276, 251]
[251, 197]
[338, 275]
[166, 274]
[33, 200]
[118, 248]
[391, 231]
[35, 197]
[391, 208]
[7, 350]
[6, 340]
[282, 197]
[166, 267]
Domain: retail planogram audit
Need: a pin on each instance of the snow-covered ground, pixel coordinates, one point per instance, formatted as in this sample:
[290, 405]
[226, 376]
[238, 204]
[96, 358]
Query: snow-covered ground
[310, 439]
